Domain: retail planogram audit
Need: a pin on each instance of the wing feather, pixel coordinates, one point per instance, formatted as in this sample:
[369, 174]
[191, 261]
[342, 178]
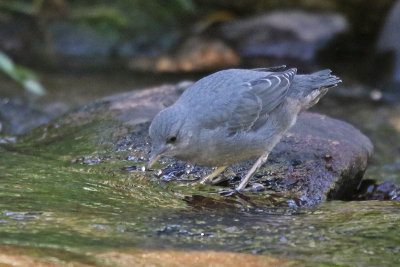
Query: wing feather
[245, 114]
[262, 96]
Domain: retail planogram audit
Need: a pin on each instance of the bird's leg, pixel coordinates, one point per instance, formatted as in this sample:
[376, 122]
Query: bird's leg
[254, 168]
[208, 178]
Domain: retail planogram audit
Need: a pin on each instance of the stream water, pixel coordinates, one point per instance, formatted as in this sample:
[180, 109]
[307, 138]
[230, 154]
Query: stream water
[48, 200]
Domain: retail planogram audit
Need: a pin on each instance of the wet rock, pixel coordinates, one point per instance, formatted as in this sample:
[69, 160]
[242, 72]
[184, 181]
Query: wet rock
[284, 34]
[195, 54]
[314, 137]
[320, 158]
[256, 187]
[370, 190]
[18, 118]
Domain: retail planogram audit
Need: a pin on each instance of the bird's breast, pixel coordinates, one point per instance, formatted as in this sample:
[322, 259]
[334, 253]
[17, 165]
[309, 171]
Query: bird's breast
[210, 148]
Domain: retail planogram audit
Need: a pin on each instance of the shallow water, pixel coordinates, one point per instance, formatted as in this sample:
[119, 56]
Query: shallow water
[52, 203]
[54, 195]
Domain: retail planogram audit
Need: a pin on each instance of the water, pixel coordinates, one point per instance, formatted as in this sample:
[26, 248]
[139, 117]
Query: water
[55, 195]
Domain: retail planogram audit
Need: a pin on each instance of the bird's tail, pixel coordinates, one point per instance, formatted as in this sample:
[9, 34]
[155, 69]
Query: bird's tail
[324, 79]
[312, 87]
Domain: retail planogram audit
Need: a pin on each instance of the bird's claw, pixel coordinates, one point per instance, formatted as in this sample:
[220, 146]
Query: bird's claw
[229, 192]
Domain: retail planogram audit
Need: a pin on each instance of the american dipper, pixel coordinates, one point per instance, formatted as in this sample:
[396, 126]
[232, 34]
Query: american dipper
[234, 115]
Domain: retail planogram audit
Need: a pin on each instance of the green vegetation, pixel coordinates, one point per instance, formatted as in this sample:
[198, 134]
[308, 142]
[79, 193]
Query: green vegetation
[21, 75]
[125, 16]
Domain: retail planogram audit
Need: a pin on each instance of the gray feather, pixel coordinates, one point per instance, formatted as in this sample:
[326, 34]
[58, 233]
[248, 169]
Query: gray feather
[246, 113]
[304, 85]
[272, 89]
[262, 96]
[271, 69]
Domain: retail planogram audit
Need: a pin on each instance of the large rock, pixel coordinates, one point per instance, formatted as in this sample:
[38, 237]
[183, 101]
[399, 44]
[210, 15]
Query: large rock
[320, 158]
[194, 54]
[284, 34]
[325, 158]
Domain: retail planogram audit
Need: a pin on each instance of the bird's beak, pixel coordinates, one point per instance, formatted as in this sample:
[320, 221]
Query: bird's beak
[155, 155]
[153, 159]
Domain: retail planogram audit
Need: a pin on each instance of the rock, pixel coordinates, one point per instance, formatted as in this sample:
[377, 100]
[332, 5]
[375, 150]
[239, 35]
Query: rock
[389, 39]
[320, 158]
[189, 258]
[80, 46]
[284, 34]
[49, 257]
[370, 190]
[320, 177]
[195, 54]
[18, 118]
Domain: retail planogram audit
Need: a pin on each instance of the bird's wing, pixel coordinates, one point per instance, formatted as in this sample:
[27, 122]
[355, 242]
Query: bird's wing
[261, 97]
[272, 89]
[245, 105]
[245, 113]
[274, 68]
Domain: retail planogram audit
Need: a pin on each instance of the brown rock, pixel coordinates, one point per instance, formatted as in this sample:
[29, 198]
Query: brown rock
[195, 54]
[190, 258]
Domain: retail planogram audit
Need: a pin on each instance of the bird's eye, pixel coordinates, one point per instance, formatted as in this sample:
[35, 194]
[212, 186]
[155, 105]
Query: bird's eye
[171, 139]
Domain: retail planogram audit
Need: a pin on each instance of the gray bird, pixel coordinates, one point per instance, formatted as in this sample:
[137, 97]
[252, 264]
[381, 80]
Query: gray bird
[234, 115]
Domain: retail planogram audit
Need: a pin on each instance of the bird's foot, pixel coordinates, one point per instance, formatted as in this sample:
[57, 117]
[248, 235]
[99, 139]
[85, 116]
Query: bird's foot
[230, 192]
[227, 192]
[218, 180]
[211, 177]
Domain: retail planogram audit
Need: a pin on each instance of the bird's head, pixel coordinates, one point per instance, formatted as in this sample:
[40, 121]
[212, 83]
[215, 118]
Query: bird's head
[167, 135]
